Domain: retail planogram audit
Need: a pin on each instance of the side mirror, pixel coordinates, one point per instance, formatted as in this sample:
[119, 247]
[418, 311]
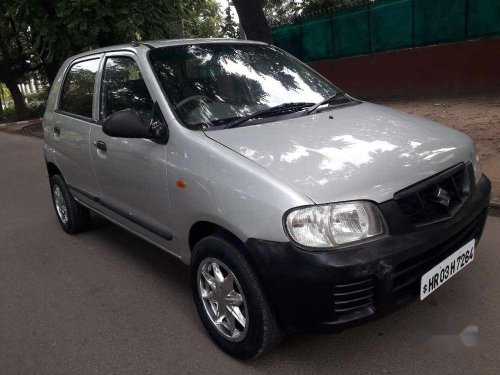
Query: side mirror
[126, 124]
[129, 124]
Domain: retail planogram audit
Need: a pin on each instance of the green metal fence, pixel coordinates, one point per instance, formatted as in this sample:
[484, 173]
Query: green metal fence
[388, 25]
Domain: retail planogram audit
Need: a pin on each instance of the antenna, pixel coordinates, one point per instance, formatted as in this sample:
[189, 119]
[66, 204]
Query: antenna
[135, 43]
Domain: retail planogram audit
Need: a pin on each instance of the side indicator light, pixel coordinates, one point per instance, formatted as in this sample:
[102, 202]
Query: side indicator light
[181, 184]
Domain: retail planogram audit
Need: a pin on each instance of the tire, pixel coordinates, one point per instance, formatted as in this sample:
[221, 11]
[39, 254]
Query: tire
[262, 330]
[73, 216]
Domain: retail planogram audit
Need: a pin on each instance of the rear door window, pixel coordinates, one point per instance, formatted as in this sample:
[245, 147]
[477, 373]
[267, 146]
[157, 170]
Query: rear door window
[124, 88]
[78, 88]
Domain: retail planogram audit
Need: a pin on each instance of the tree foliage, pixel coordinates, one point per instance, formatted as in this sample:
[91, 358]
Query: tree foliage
[203, 20]
[313, 8]
[62, 28]
[279, 12]
[229, 26]
[41, 34]
[17, 58]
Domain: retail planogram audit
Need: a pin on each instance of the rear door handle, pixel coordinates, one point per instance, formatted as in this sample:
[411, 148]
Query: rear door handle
[100, 145]
[57, 131]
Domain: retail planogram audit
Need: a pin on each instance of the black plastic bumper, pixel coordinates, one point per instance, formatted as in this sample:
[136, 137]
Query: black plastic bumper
[335, 289]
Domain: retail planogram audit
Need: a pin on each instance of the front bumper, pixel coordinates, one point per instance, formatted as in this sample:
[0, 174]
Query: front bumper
[338, 288]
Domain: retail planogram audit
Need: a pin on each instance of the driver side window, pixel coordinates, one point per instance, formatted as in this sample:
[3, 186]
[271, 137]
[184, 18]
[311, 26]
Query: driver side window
[124, 88]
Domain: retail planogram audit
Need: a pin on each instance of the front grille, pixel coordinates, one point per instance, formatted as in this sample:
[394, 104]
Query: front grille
[407, 275]
[353, 297]
[437, 198]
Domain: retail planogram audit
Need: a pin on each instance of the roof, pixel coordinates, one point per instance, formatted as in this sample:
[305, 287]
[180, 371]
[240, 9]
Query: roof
[162, 43]
[178, 42]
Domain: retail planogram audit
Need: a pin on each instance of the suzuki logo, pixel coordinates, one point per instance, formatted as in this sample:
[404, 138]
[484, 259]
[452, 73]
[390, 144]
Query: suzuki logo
[441, 196]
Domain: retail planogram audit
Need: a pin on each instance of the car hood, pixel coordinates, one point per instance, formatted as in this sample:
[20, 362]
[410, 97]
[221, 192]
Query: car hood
[363, 151]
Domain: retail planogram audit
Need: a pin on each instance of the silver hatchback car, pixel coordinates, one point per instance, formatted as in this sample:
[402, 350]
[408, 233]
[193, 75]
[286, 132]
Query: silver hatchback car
[294, 204]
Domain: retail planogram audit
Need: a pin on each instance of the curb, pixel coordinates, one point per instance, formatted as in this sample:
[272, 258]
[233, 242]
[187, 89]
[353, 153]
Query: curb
[13, 127]
[494, 209]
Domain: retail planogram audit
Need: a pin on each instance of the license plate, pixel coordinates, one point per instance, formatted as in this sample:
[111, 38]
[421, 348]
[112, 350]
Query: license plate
[449, 267]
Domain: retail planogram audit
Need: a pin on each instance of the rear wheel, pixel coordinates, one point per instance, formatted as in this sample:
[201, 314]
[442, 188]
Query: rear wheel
[230, 299]
[73, 216]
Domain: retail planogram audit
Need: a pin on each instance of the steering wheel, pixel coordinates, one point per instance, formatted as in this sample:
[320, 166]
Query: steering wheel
[191, 98]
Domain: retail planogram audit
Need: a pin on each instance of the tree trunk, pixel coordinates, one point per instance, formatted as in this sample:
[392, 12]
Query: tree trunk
[17, 97]
[253, 20]
[51, 69]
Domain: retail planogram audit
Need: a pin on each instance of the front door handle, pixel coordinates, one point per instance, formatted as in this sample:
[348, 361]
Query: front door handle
[57, 131]
[100, 145]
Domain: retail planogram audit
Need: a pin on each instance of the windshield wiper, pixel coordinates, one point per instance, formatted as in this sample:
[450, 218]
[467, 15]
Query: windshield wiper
[326, 101]
[276, 110]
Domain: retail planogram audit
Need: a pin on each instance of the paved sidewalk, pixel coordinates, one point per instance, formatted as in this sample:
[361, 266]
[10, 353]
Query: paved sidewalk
[13, 127]
[31, 128]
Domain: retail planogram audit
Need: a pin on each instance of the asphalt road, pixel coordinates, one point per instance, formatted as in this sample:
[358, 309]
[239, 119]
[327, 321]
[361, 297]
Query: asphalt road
[107, 302]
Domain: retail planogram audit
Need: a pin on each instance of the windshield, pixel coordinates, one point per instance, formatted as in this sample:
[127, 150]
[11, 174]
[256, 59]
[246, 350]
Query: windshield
[213, 84]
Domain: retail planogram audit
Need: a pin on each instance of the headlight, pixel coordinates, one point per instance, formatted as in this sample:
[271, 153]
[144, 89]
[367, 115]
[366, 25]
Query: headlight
[476, 164]
[335, 225]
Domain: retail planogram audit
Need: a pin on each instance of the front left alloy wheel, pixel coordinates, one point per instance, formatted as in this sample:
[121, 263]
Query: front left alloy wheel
[230, 298]
[223, 299]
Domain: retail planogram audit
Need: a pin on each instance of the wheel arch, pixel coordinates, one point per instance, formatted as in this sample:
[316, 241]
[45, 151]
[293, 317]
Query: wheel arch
[52, 169]
[202, 229]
